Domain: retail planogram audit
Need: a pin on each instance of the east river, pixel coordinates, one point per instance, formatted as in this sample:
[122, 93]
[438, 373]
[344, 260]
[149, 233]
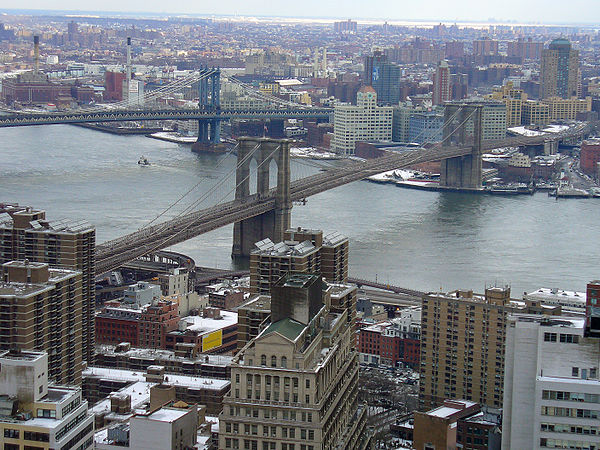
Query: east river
[421, 240]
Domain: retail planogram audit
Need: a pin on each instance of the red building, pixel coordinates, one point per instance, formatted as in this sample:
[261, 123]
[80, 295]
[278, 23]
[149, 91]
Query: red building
[390, 343]
[113, 86]
[157, 319]
[115, 325]
[590, 157]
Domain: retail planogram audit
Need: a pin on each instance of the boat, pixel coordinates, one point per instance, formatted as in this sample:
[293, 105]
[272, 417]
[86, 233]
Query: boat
[143, 161]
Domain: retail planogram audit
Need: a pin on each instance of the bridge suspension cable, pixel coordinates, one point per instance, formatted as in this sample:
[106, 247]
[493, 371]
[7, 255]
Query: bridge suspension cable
[147, 247]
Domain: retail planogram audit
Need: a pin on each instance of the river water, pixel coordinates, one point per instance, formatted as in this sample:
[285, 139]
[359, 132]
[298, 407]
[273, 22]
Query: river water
[416, 239]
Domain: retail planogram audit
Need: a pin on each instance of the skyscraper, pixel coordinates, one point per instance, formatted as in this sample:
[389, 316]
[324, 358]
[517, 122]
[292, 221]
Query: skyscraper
[295, 386]
[34, 300]
[25, 233]
[559, 70]
[441, 84]
[364, 122]
[551, 387]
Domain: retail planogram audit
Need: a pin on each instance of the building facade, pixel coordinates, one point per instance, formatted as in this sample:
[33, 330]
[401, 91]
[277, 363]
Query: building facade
[295, 385]
[559, 70]
[34, 299]
[37, 415]
[25, 233]
[551, 387]
[462, 346]
[364, 122]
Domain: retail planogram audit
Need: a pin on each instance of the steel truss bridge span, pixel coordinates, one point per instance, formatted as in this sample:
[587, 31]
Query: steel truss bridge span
[22, 120]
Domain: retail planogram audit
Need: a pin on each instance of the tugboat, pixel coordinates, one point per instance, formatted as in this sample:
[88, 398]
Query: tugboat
[143, 161]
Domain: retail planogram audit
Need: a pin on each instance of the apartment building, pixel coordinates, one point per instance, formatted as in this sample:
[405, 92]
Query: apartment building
[25, 233]
[36, 414]
[551, 386]
[462, 345]
[295, 386]
[302, 250]
[364, 122]
[34, 299]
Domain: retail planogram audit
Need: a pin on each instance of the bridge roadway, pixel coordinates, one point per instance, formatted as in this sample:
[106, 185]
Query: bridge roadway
[29, 119]
[114, 253]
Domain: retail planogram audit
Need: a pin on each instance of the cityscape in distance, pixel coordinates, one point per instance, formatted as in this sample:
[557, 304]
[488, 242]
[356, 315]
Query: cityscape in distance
[300, 227]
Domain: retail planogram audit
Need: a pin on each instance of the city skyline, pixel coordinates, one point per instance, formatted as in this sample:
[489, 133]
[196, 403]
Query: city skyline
[462, 11]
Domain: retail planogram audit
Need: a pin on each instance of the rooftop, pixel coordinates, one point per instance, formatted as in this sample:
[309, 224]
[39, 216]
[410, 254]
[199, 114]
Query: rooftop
[289, 328]
[206, 325]
[140, 376]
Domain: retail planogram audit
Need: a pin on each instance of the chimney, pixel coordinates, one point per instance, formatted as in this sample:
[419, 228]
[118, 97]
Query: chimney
[128, 68]
[36, 54]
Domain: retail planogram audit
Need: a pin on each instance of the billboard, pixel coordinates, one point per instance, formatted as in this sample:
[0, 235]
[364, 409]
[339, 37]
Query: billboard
[212, 340]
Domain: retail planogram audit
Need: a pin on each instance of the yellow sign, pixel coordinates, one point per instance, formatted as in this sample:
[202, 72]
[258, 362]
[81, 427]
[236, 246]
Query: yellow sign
[212, 340]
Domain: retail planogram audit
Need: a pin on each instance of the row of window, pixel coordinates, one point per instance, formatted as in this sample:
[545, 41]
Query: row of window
[565, 428]
[253, 445]
[571, 396]
[561, 443]
[564, 338]
[570, 412]
[285, 432]
[270, 414]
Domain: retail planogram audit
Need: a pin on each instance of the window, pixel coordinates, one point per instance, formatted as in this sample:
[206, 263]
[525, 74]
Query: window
[575, 371]
[263, 360]
[273, 361]
[284, 362]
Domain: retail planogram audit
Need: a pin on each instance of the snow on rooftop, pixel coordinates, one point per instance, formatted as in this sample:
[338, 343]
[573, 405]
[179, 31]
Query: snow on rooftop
[207, 325]
[167, 414]
[135, 376]
[524, 131]
[447, 411]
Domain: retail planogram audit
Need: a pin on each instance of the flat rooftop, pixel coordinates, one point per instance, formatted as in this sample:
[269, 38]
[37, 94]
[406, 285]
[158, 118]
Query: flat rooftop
[206, 324]
[140, 376]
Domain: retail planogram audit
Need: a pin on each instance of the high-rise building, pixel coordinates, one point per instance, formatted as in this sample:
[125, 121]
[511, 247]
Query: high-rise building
[513, 98]
[302, 250]
[525, 49]
[295, 386]
[33, 300]
[425, 126]
[441, 84]
[485, 47]
[370, 62]
[559, 70]
[551, 387]
[462, 346]
[25, 233]
[36, 415]
[386, 82]
[348, 26]
[364, 122]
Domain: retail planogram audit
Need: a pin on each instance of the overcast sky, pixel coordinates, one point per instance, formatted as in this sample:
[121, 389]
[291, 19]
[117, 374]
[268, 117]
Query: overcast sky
[522, 11]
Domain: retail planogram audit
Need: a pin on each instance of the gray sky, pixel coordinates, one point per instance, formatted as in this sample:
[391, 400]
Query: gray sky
[522, 11]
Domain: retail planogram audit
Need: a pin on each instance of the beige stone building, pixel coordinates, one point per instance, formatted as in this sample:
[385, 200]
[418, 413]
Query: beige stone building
[41, 309]
[295, 386]
[25, 233]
